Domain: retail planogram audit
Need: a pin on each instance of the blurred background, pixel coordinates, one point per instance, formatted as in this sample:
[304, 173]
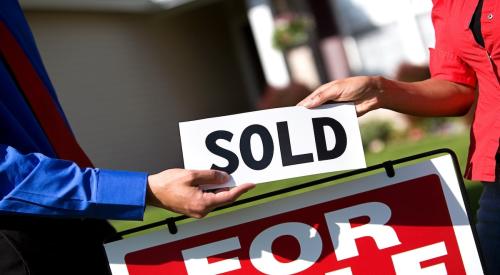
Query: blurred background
[127, 71]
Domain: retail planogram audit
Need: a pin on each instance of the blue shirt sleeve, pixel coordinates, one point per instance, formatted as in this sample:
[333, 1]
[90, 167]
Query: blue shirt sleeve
[36, 184]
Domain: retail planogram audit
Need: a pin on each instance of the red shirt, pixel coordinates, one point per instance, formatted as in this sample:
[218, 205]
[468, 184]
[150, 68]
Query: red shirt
[459, 58]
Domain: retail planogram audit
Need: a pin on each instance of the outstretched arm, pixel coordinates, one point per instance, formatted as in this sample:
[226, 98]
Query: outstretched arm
[34, 184]
[431, 97]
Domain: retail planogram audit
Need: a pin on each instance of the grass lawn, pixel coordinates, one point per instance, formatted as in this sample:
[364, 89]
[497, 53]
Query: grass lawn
[458, 143]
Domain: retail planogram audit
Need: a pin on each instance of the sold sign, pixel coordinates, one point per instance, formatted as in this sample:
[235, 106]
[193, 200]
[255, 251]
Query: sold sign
[275, 144]
[412, 223]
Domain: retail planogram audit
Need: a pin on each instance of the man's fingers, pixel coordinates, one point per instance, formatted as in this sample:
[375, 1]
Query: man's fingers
[229, 196]
[211, 200]
[220, 190]
[203, 177]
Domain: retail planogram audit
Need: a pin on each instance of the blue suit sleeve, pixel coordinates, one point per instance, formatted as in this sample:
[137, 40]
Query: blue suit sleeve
[38, 185]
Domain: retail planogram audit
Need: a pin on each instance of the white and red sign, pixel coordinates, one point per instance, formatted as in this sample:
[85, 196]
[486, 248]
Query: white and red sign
[275, 144]
[412, 223]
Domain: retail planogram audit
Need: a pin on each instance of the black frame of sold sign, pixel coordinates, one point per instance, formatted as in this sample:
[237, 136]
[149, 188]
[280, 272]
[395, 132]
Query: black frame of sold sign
[410, 219]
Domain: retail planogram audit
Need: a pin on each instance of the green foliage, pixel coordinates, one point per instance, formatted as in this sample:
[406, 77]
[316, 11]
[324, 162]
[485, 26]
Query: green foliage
[435, 124]
[291, 32]
[380, 130]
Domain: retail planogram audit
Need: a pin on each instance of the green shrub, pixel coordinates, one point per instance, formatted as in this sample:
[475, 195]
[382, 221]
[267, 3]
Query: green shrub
[376, 130]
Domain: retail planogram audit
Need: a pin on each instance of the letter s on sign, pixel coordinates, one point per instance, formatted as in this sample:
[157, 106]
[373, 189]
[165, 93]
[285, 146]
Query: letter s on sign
[232, 158]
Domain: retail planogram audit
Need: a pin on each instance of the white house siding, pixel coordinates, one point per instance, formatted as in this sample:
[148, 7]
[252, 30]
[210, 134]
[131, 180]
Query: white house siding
[125, 80]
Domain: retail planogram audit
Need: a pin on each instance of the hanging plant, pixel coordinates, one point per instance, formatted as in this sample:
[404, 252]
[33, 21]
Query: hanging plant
[291, 30]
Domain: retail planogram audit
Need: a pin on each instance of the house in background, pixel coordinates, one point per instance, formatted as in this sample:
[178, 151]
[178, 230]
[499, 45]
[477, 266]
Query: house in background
[127, 71]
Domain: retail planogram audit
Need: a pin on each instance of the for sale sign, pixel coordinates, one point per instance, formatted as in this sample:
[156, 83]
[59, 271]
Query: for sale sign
[412, 223]
[275, 144]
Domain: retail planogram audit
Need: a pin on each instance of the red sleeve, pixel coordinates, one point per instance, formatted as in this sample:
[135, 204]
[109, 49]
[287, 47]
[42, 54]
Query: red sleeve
[448, 66]
[445, 62]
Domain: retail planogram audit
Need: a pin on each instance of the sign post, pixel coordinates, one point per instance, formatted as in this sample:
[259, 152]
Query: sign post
[407, 220]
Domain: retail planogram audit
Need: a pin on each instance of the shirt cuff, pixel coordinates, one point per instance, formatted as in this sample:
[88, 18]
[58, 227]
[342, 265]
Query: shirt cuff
[121, 195]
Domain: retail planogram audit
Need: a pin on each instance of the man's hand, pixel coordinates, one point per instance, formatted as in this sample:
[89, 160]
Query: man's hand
[179, 190]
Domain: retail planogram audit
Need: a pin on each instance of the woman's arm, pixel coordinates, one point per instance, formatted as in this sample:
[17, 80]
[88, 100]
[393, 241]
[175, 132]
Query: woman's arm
[431, 97]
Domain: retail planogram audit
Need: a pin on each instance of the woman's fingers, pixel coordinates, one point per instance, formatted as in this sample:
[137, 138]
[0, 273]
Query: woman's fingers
[321, 95]
[361, 89]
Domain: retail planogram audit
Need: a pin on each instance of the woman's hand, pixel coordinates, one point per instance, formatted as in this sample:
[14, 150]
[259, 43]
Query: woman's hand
[364, 91]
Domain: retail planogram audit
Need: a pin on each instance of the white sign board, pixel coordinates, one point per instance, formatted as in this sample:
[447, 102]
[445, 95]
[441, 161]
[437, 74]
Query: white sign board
[413, 223]
[275, 144]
